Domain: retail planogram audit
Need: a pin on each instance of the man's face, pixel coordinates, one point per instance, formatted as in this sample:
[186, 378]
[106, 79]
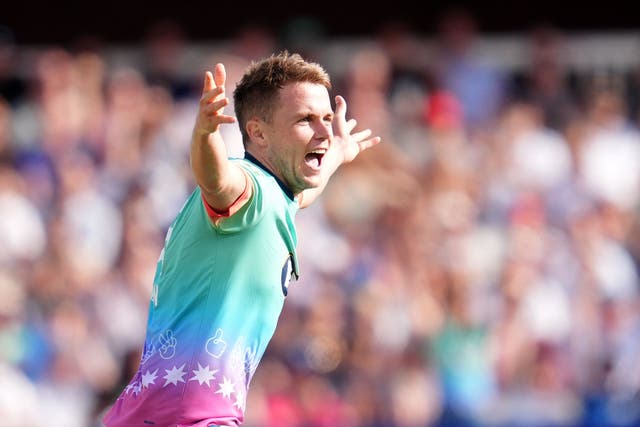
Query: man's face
[299, 134]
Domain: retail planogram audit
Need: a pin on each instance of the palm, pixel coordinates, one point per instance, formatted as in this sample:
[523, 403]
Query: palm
[212, 103]
[348, 142]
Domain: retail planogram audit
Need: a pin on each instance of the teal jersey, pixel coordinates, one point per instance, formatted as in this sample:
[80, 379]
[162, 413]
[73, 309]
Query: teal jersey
[218, 292]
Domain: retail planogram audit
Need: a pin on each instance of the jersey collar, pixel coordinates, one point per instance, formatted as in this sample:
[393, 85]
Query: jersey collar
[282, 185]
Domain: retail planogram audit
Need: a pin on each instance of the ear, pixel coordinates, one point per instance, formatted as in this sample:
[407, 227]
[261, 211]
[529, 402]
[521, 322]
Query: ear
[256, 132]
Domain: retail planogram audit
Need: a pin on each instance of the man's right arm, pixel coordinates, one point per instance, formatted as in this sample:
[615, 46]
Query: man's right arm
[222, 183]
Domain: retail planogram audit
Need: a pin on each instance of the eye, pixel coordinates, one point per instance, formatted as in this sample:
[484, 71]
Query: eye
[328, 118]
[306, 119]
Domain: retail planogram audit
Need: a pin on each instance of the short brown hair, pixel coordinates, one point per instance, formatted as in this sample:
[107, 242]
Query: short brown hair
[256, 94]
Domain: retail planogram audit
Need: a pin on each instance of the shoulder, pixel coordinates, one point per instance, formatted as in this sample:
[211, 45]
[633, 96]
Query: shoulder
[263, 181]
[249, 167]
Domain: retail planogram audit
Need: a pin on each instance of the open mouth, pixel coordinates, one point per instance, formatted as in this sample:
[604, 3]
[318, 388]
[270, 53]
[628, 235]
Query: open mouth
[314, 158]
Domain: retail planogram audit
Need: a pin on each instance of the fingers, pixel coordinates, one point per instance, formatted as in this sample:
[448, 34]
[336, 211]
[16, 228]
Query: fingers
[215, 106]
[215, 80]
[220, 75]
[341, 111]
[212, 107]
[341, 107]
[368, 143]
[341, 126]
[215, 110]
[344, 126]
[208, 82]
[361, 139]
[351, 125]
[360, 136]
[222, 118]
[212, 95]
[212, 102]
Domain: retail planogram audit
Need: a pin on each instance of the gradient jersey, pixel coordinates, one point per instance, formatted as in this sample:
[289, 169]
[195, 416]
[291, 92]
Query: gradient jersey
[218, 292]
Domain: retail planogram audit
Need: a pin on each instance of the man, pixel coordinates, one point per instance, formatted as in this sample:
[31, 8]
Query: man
[223, 274]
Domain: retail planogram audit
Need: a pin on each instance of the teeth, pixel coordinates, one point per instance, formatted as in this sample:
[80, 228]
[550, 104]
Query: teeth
[319, 151]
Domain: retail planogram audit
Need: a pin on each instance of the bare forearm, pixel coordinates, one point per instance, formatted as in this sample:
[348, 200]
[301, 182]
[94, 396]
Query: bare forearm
[208, 160]
[220, 181]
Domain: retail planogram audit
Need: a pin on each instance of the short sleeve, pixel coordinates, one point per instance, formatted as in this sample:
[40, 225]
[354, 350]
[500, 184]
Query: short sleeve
[246, 215]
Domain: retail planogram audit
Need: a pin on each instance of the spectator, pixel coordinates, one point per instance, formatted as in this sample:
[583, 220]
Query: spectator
[485, 276]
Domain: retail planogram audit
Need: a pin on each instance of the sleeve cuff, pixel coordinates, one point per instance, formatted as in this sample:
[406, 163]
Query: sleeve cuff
[216, 215]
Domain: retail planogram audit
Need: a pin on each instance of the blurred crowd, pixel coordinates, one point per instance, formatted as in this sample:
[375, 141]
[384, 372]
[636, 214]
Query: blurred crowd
[477, 268]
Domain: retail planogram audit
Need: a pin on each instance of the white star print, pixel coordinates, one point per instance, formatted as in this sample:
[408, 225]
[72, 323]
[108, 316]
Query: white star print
[174, 375]
[226, 388]
[203, 375]
[137, 389]
[239, 400]
[149, 378]
[130, 387]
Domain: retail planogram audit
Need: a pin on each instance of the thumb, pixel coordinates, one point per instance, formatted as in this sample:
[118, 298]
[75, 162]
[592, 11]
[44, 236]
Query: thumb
[341, 108]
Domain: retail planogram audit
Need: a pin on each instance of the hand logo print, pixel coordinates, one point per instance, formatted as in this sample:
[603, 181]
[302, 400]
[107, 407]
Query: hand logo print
[215, 345]
[167, 344]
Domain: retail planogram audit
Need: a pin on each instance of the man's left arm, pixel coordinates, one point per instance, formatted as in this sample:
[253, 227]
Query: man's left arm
[345, 147]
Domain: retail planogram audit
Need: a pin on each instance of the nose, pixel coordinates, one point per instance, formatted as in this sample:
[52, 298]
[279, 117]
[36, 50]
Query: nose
[323, 130]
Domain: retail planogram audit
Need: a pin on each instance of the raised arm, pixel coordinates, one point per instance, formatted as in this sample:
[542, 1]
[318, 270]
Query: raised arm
[221, 181]
[345, 147]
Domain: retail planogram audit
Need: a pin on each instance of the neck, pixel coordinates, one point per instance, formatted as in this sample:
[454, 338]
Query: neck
[264, 164]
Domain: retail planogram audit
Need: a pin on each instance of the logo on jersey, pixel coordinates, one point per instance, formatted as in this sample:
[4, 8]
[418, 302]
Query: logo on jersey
[163, 344]
[215, 345]
[166, 344]
[287, 272]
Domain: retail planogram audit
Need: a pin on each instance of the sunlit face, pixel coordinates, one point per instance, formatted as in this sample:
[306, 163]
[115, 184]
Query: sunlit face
[299, 134]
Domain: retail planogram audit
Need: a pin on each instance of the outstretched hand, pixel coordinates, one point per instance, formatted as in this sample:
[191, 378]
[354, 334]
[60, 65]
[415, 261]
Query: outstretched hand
[350, 144]
[211, 110]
